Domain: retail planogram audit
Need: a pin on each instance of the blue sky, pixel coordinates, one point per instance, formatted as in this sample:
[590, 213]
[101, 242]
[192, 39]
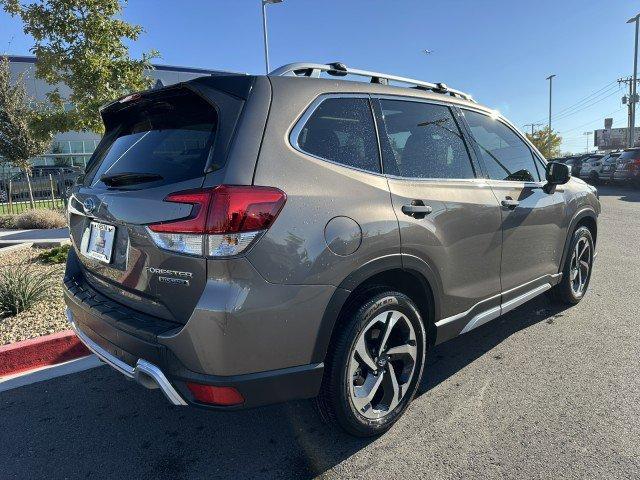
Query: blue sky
[500, 51]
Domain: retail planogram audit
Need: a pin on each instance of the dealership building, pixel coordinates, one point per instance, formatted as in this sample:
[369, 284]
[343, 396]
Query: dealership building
[75, 148]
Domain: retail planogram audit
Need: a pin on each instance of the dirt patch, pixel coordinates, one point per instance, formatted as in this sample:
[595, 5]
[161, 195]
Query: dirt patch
[46, 316]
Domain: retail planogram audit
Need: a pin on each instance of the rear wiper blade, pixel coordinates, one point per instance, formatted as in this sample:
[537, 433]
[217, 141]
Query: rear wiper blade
[129, 178]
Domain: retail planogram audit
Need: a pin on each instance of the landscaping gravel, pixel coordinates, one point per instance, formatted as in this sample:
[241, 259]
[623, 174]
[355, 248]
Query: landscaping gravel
[46, 316]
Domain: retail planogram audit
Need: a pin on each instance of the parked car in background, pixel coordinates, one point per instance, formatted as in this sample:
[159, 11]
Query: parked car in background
[608, 166]
[63, 179]
[315, 239]
[591, 168]
[576, 166]
[628, 167]
[571, 162]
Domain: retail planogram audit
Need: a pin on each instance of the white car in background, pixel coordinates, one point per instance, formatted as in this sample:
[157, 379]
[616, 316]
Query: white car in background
[592, 168]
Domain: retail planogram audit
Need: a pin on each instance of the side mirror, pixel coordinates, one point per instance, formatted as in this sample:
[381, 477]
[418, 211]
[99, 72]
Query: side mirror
[557, 173]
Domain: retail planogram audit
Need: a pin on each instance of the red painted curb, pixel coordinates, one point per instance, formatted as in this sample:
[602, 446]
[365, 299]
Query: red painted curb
[39, 352]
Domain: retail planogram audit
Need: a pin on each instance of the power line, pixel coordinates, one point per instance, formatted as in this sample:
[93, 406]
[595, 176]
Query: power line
[586, 106]
[588, 97]
[533, 126]
[592, 121]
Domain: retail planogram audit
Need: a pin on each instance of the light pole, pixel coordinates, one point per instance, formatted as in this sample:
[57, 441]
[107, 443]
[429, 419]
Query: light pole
[264, 30]
[550, 78]
[634, 95]
[587, 135]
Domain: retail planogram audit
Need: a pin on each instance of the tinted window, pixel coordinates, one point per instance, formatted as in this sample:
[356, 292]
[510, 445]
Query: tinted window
[424, 141]
[169, 137]
[505, 155]
[630, 155]
[341, 130]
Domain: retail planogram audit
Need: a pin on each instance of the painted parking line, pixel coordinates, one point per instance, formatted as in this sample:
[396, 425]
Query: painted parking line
[49, 372]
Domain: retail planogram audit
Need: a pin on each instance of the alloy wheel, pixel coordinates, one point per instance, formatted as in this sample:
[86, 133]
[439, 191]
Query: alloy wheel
[580, 266]
[382, 364]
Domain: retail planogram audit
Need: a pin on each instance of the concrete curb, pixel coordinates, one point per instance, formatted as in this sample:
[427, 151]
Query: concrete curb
[38, 352]
[13, 247]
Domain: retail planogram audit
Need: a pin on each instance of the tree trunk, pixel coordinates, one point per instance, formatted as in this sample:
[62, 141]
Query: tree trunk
[31, 201]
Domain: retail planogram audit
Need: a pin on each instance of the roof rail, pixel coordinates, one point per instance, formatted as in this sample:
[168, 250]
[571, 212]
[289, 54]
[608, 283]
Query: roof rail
[338, 69]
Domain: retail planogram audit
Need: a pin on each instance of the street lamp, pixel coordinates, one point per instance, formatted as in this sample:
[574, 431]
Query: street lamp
[634, 95]
[264, 30]
[550, 78]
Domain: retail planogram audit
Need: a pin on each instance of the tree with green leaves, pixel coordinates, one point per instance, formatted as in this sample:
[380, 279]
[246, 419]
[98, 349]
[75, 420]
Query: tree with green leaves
[21, 135]
[81, 43]
[541, 140]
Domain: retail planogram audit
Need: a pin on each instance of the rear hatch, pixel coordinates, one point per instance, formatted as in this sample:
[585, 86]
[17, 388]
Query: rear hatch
[155, 144]
[628, 160]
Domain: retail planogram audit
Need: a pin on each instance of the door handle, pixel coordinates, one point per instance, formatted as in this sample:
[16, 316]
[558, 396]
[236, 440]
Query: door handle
[417, 209]
[510, 203]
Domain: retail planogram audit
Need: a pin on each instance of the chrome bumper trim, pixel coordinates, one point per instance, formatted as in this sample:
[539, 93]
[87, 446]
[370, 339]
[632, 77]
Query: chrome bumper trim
[142, 369]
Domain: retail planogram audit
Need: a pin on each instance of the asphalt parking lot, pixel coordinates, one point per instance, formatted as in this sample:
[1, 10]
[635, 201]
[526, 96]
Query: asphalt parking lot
[541, 393]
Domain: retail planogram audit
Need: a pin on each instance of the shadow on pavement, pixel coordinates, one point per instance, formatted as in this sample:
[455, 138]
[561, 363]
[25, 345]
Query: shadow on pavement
[96, 424]
[448, 358]
[624, 192]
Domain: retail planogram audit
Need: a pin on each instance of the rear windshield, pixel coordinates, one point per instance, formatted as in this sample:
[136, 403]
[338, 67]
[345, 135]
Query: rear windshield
[166, 139]
[630, 155]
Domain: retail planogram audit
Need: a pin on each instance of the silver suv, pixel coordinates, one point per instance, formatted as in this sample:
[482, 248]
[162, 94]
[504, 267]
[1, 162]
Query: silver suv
[244, 240]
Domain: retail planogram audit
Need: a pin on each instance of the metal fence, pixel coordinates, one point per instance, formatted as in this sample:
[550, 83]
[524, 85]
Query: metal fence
[48, 192]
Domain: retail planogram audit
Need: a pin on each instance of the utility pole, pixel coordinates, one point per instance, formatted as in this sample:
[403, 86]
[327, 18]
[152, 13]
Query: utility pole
[630, 108]
[634, 96]
[587, 134]
[533, 126]
[550, 78]
[264, 31]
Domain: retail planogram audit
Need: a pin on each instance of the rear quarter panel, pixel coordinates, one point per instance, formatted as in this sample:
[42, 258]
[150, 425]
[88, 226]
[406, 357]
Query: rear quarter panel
[295, 250]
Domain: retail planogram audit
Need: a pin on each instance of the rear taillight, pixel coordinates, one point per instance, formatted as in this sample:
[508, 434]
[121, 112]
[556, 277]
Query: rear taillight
[224, 221]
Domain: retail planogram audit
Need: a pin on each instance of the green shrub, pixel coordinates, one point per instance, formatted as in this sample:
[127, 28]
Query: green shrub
[55, 255]
[21, 288]
[40, 218]
[7, 221]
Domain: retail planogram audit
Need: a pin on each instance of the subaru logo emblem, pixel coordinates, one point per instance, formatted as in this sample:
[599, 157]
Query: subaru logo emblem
[89, 205]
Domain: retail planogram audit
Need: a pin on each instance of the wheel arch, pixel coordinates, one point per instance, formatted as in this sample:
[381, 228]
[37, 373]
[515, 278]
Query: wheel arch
[586, 217]
[406, 274]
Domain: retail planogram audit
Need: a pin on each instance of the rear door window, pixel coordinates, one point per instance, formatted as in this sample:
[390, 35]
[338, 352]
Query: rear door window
[169, 138]
[506, 156]
[423, 140]
[341, 130]
[629, 156]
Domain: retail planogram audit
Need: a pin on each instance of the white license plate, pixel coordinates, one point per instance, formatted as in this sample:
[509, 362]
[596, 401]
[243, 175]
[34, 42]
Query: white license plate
[100, 244]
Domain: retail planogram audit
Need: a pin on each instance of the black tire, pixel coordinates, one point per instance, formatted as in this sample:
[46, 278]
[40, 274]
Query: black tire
[595, 179]
[565, 291]
[335, 399]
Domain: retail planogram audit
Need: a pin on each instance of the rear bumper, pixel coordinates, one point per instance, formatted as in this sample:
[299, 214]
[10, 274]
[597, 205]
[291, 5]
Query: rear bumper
[145, 373]
[170, 377]
[625, 176]
[146, 349]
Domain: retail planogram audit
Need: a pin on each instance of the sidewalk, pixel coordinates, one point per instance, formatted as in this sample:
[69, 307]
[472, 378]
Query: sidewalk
[53, 235]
